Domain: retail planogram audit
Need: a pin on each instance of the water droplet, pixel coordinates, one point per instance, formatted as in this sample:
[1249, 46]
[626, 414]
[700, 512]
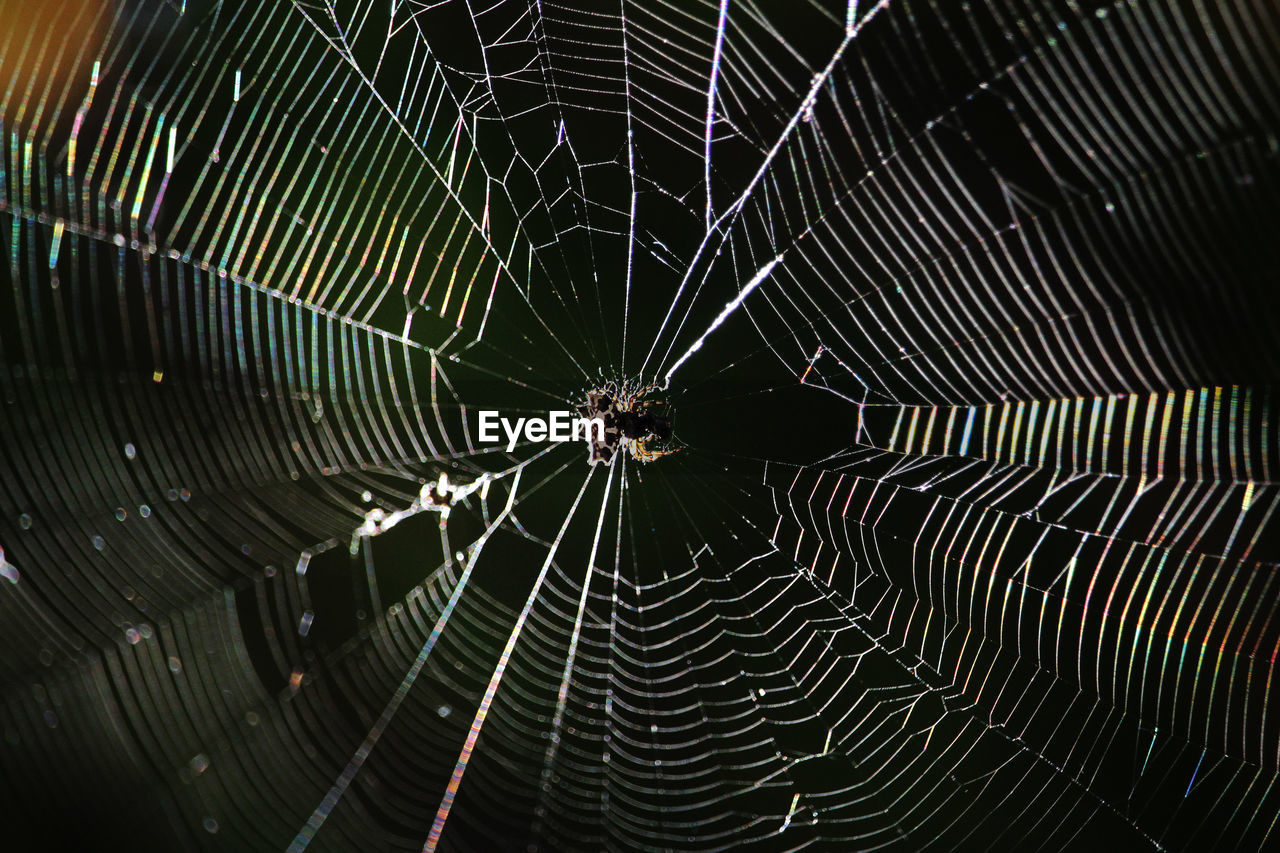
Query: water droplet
[130, 452]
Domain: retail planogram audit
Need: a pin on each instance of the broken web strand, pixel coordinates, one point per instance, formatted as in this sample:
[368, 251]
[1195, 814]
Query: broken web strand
[377, 523]
[318, 817]
[446, 803]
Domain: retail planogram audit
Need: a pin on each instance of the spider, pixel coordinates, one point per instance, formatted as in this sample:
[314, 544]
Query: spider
[630, 423]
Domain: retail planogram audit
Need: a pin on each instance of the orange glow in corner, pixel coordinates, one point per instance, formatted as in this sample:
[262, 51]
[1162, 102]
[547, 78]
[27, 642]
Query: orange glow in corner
[48, 56]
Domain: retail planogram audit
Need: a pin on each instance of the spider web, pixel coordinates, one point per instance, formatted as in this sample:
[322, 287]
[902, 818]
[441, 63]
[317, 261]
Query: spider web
[963, 311]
